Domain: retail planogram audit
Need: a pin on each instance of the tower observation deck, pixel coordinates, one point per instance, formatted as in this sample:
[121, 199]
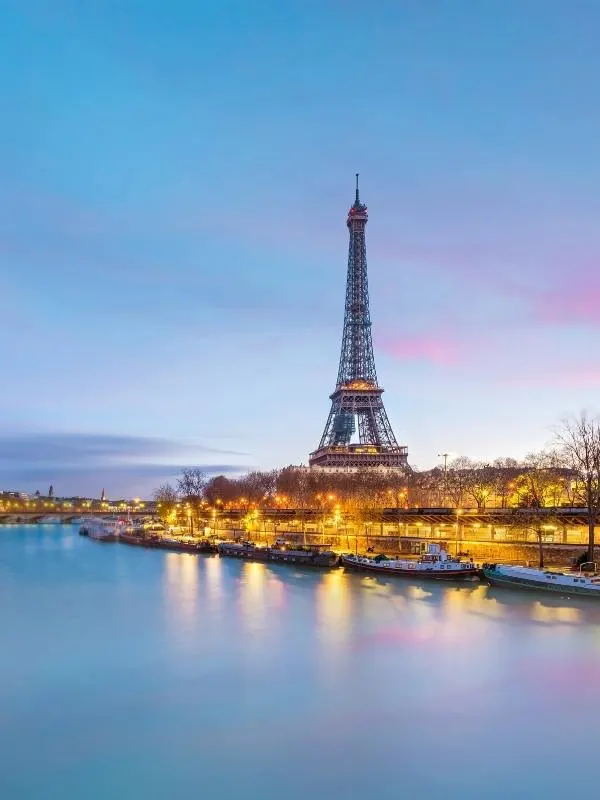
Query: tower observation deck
[356, 403]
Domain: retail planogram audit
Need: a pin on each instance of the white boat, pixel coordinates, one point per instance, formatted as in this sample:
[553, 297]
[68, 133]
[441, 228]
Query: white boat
[586, 582]
[103, 530]
[434, 564]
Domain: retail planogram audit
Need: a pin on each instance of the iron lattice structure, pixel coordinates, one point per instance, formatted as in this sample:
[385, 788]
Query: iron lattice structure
[357, 396]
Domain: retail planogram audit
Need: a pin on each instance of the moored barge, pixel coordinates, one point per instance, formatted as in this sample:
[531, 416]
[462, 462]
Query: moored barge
[246, 550]
[160, 542]
[585, 583]
[310, 555]
[434, 564]
[102, 530]
[282, 552]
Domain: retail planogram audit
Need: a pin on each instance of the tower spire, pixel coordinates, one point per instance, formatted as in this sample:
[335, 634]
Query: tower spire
[357, 201]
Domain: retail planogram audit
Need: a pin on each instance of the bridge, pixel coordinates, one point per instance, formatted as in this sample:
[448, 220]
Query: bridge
[25, 516]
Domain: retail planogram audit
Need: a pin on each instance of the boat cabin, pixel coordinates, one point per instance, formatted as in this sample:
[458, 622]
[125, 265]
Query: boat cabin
[433, 553]
[282, 544]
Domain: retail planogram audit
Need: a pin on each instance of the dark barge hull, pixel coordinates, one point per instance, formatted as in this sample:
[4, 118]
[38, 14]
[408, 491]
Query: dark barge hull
[178, 547]
[110, 538]
[281, 556]
[304, 559]
[425, 574]
[246, 554]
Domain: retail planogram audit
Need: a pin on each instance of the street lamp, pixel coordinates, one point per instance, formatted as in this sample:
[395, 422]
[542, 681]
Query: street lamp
[445, 457]
[459, 511]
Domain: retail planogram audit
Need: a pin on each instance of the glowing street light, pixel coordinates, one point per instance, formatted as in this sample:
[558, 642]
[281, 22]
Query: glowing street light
[459, 511]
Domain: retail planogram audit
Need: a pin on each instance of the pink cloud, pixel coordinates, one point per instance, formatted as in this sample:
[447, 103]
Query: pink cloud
[574, 302]
[435, 348]
[567, 377]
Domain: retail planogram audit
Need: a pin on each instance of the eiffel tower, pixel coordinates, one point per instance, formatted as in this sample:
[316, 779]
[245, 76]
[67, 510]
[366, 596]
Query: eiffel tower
[357, 396]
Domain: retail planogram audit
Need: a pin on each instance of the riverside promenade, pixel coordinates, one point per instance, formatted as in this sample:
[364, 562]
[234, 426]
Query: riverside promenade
[508, 535]
[512, 552]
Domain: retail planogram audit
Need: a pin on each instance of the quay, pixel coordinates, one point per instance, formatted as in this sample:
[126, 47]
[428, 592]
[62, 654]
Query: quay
[510, 552]
[497, 534]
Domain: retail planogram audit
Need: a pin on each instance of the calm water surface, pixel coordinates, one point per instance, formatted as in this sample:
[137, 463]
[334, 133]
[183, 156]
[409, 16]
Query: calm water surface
[130, 673]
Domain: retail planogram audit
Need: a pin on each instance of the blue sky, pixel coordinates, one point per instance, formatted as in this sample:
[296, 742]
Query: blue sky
[175, 180]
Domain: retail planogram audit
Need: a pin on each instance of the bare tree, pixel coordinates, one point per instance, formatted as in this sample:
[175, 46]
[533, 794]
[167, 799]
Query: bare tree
[220, 490]
[539, 486]
[427, 488]
[166, 497]
[165, 494]
[578, 442]
[457, 479]
[539, 483]
[480, 483]
[191, 485]
[507, 470]
[259, 486]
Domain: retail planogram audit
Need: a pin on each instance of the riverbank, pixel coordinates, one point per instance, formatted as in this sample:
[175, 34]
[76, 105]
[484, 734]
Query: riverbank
[523, 553]
[556, 554]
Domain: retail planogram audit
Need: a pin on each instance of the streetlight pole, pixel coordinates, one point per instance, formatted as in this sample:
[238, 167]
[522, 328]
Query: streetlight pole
[459, 511]
[445, 457]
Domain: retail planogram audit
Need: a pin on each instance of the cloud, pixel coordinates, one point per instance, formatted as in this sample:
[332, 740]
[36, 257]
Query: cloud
[569, 376]
[95, 449]
[575, 301]
[85, 462]
[434, 348]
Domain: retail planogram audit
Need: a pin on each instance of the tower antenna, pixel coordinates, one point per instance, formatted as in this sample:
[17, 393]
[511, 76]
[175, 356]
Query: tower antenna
[356, 202]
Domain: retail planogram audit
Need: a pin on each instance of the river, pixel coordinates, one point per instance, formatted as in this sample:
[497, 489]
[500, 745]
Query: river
[131, 673]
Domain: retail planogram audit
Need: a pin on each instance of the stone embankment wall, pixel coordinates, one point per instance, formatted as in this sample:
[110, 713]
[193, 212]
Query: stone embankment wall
[558, 555]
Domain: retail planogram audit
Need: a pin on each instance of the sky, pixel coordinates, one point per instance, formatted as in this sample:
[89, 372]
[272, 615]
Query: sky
[175, 183]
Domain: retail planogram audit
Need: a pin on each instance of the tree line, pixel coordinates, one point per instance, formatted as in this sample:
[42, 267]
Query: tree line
[566, 474]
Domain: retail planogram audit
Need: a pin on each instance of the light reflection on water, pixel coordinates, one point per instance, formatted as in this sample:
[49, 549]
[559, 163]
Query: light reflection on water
[252, 599]
[213, 579]
[138, 673]
[333, 608]
[181, 583]
[561, 614]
